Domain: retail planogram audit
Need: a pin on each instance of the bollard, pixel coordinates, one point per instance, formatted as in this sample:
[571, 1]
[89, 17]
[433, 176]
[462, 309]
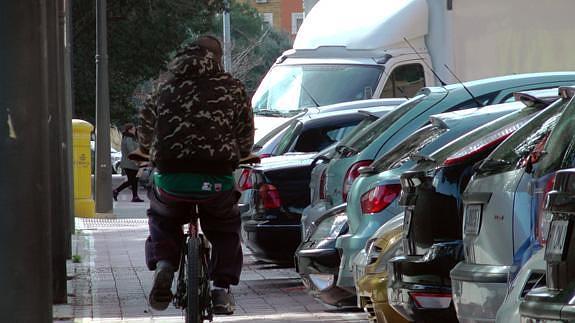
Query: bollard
[84, 206]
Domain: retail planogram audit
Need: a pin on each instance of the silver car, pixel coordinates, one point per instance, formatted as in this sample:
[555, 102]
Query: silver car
[501, 205]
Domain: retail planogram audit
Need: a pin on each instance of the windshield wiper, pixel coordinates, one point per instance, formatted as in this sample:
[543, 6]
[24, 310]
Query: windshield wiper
[493, 164]
[307, 92]
[269, 113]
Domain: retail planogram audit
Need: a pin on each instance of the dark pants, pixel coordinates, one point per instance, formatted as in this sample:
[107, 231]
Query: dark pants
[132, 181]
[220, 222]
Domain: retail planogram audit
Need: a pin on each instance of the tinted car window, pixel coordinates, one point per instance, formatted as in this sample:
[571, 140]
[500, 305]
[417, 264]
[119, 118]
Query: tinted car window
[519, 145]
[288, 138]
[265, 139]
[365, 138]
[317, 139]
[404, 81]
[408, 148]
[558, 141]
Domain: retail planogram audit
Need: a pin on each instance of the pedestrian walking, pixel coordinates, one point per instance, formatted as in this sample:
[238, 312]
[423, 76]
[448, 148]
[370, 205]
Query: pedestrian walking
[129, 144]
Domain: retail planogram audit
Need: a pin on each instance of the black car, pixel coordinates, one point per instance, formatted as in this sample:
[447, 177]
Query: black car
[554, 302]
[313, 131]
[420, 285]
[275, 192]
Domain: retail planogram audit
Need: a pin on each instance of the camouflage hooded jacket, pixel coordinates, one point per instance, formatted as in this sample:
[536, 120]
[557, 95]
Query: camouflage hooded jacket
[199, 119]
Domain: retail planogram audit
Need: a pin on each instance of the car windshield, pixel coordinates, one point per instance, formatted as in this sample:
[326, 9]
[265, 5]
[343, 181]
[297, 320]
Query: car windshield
[409, 148]
[288, 89]
[520, 144]
[364, 138]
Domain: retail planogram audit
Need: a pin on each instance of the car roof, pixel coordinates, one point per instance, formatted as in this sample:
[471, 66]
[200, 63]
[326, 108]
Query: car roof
[359, 104]
[514, 80]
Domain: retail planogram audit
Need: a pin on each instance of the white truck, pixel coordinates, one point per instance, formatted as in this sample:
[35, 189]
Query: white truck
[351, 50]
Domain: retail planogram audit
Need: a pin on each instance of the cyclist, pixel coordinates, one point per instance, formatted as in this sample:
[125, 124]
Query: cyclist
[196, 126]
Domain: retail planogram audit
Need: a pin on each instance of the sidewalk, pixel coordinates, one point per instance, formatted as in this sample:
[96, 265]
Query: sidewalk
[111, 283]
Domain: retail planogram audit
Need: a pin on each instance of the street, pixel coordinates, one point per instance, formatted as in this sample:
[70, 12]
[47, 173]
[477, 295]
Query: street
[111, 282]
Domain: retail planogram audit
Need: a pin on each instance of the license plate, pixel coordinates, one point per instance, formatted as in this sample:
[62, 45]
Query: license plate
[472, 218]
[557, 238]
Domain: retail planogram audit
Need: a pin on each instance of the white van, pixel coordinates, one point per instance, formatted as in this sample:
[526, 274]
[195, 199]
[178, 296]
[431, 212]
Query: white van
[362, 49]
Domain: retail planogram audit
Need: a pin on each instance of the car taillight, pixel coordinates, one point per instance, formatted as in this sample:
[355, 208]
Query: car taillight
[321, 187]
[269, 197]
[245, 180]
[262, 156]
[351, 175]
[379, 198]
[544, 217]
[484, 143]
[431, 301]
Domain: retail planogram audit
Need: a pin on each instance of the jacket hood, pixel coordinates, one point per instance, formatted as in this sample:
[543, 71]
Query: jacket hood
[194, 61]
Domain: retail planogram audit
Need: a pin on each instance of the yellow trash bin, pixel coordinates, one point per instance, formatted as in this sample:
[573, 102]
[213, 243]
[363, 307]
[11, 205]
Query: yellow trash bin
[84, 206]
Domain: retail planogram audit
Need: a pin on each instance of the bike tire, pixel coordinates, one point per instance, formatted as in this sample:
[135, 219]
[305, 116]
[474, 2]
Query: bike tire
[193, 273]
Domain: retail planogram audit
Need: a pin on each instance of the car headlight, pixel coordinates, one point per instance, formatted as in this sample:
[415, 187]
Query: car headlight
[330, 228]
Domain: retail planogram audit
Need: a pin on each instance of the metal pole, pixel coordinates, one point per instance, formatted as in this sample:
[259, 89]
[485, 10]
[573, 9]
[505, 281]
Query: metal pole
[67, 125]
[57, 173]
[103, 170]
[227, 38]
[25, 247]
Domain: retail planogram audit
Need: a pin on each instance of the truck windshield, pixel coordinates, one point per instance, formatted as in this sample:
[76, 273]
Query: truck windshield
[288, 89]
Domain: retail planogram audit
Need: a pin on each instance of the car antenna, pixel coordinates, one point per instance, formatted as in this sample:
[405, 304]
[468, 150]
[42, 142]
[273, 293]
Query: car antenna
[465, 87]
[424, 62]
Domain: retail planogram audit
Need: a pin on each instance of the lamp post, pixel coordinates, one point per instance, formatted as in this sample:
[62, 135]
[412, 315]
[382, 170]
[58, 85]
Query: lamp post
[227, 37]
[102, 169]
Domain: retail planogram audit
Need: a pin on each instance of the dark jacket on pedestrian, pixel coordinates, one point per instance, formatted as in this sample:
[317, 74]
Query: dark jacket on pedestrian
[129, 144]
[199, 119]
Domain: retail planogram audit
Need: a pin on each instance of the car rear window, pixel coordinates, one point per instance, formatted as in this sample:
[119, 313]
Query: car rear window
[408, 148]
[364, 138]
[521, 143]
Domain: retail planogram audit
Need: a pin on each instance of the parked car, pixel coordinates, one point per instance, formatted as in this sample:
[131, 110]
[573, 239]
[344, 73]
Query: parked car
[275, 191]
[381, 136]
[530, 277]
[311, 131]
[431, 196]
[503, 223]
[115, 158]
[555, 301]
[371, 275]
[376, 202]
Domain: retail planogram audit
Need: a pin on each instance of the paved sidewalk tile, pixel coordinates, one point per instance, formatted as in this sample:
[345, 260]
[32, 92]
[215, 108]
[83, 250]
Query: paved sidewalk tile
[111, 283]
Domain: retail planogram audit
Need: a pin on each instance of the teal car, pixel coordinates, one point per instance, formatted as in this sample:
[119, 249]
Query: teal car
[328, 276]
[373, 197]
[378, 138]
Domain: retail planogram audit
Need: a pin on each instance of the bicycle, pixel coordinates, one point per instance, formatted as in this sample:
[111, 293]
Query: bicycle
[193, 293]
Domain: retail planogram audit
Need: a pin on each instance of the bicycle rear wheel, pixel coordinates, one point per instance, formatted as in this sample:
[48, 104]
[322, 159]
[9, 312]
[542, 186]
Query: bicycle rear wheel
[199, 306]
[193, 275]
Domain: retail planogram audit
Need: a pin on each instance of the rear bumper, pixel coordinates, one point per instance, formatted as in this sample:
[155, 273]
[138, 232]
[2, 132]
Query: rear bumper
[479, 290]
[425, 275]
[318, 266]
[543, 304]
[271, 241]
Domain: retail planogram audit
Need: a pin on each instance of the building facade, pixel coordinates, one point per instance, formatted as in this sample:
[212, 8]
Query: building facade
[284, 15]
